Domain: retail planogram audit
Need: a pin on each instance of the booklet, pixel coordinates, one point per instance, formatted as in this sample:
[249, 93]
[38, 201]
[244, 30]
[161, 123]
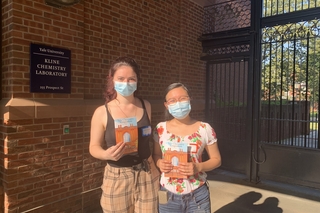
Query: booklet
[178, 152]
[126, 130]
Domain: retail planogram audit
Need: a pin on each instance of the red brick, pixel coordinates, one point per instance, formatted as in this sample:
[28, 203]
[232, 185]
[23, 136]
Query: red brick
[96, 32]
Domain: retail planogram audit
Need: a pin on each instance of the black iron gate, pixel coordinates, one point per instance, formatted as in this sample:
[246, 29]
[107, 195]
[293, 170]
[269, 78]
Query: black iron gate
[289, 91]
[227, 105]
[290, 78]
[263, 65]
[226, 49]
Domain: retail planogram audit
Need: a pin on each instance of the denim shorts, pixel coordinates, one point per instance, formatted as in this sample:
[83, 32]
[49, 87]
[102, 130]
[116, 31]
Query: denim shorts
[197, 201]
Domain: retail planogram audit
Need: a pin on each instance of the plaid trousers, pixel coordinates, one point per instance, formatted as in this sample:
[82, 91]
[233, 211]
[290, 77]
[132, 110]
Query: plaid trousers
[130, 189]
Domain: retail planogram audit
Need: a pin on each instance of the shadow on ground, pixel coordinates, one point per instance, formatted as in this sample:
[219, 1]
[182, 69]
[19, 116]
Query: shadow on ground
[293, 190]
[245, 204]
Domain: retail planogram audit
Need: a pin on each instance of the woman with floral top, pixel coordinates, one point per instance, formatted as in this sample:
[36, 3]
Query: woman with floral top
[183, 181]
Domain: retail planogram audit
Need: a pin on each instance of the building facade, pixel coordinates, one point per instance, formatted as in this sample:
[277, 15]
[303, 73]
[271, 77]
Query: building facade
[45, 163]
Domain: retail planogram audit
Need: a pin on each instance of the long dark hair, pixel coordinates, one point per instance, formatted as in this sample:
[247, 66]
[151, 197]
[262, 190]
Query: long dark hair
[110, 92]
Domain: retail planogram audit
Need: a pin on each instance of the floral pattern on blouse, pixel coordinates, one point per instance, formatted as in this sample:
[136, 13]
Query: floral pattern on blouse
[205, 135]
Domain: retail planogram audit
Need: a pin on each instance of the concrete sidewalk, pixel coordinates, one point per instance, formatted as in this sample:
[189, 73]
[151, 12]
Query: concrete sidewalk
[231, 193]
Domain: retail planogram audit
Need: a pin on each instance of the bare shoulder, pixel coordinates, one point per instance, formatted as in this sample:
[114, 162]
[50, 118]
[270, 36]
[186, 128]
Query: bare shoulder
[143, 101]
[148, 107]
[147, 103]
[100, 114]
[101, 110]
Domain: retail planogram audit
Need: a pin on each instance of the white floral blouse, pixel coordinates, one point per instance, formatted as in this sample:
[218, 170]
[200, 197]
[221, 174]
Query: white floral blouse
[196, 142]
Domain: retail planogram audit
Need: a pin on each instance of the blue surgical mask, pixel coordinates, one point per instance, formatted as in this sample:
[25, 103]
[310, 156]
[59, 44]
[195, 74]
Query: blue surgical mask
[125, 88]
[180, 110]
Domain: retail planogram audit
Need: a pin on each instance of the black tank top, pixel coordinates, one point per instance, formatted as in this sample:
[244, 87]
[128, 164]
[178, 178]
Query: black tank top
[144, 135]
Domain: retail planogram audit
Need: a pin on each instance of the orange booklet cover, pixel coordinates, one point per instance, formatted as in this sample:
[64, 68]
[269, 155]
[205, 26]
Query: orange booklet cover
[178, 152]
[126, 130]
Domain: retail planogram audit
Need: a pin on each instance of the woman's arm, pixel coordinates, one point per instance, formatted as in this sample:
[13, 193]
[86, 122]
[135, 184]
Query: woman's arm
[157, 154]
[98, 126]
[214, 161]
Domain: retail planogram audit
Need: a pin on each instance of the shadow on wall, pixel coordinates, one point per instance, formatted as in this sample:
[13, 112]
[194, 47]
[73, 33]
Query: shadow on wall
[245, 204]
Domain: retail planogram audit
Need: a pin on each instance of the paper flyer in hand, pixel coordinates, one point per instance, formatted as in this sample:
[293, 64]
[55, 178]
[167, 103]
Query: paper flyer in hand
[178, 152]
[126, 130]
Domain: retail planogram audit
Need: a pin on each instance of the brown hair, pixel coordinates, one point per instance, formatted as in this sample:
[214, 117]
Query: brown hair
[110, 92]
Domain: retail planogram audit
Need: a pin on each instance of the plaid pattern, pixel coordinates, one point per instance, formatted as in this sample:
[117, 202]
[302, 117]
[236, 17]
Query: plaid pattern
[127, 190]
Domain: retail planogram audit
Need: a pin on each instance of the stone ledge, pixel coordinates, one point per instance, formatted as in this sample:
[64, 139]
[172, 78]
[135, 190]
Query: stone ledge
[19, 108]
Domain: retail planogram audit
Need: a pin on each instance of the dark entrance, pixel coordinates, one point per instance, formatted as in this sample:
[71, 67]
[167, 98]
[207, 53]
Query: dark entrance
[227, 95]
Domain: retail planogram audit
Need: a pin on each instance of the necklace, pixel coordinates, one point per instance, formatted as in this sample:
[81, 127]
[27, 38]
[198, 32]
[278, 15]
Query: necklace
[134, 103]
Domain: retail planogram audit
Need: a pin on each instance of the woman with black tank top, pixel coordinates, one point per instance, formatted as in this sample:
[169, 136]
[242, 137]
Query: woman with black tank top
[131, 180]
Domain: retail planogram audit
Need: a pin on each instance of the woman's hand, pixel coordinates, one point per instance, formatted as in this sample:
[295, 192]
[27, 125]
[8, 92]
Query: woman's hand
[115, 152]
[188, 168]
[164, 165]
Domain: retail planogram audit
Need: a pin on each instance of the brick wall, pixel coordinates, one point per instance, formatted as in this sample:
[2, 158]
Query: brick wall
[43, 170]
